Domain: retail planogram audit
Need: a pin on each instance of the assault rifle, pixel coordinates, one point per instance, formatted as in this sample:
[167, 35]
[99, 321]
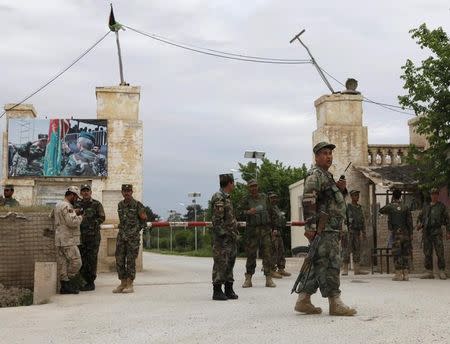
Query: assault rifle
[305, 270]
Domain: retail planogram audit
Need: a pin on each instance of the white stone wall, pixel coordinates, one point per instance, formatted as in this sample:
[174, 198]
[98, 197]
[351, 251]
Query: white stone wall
[296, 192]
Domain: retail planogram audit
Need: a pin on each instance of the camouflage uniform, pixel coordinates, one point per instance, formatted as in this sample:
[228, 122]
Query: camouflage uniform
[258, 233]
[400, 225]
[83, 163]
[34, 160]
[320, 185]
[356, 225]
[128, 238]
[224, 238]
[8, 202]
[433, 217]
[93, 217]
[278, 224]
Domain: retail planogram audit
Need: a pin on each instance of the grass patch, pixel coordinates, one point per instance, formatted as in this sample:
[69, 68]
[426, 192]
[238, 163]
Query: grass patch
[202, 252]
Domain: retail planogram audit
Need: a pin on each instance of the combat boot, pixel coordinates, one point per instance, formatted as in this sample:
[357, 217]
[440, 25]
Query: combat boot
[358, 270]
[88, 287]
[442, 275]
[337, 307]
[344, 269]
[304, 305]
[428, 275]
[67, 288]
[129, 287]
[229, 292]
[269, 282]
[398, 275]
[121, 287]
[284, 273]
[406, 275]
[248, 281]
[275, 274]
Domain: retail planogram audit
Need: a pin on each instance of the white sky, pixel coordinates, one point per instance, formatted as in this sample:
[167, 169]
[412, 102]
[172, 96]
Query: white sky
[201, 113]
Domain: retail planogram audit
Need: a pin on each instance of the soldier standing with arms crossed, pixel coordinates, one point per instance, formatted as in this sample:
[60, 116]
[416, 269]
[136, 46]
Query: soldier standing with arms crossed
[432, 219]
[132, 216]
[93, 217]
[224, 241]
[322, 194]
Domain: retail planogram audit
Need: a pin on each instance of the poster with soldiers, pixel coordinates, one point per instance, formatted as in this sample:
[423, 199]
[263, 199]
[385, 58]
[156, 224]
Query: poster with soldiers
[57, 148]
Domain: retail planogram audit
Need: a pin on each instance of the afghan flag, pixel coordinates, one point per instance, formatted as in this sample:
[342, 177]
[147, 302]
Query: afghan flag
[113, 25]
[53, 153]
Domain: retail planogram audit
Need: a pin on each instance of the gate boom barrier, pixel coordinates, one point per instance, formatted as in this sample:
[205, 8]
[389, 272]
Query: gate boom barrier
[190, 224]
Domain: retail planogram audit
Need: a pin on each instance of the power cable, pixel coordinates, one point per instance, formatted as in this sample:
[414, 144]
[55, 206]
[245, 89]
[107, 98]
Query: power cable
[59, 74]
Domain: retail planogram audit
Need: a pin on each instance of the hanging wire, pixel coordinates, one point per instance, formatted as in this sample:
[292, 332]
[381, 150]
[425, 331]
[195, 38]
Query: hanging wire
[60, 73]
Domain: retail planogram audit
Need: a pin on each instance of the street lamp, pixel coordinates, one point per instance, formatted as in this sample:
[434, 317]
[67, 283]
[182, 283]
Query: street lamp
[255, 155]
[171, 212]
[194, 204]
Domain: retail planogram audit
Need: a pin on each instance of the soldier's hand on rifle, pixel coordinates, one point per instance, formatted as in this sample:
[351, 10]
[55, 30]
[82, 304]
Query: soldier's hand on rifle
[310, 235]
[341, 184]
[251, 211]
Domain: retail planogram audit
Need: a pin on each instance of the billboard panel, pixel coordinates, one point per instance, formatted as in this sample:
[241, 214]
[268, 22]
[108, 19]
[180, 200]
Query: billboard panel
[57, 148]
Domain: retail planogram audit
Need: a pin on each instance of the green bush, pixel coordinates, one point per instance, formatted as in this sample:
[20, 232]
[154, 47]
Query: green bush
[183, 240]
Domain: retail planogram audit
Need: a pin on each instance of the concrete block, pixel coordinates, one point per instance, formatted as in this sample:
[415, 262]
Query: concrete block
[45, 282]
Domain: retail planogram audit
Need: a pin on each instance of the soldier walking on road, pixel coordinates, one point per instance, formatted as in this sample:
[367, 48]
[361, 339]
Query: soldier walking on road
[401, 226]
[8, 200]
[356, 228]
[256, 209]
[67, 220]
[132, 216]
[278, 220]
[224, 239]
[432, 220]
[321, 194]
[93, 217]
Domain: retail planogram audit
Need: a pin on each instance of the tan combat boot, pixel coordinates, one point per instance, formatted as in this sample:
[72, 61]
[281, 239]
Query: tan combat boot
[269, 282]
[284, 273]
[275, 274]
[398, 275]
[442, 275]
[121, 287]
[304, 305]
[129, 287]
[337, 307]
[248, 281]
[344, 269]
[428, 275]
[358, 270]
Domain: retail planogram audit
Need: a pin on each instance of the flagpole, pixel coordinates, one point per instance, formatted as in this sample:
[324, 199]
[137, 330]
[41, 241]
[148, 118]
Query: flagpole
[122, 82]
[115, 26]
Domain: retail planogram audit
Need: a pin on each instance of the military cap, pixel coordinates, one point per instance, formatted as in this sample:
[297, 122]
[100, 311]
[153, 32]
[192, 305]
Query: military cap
[85, 186]
[9, 186]
[42, 137]
[75, 190]
[252, 182]
[87, 135]
[272, 194]
[322, 145]
[225, 177]
[127, 187]
[353, 192]
[434, 190]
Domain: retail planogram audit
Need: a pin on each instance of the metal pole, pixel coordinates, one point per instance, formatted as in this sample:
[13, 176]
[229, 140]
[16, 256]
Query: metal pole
[158, 239]
[122, 82]
[195, 219]
[171, 238]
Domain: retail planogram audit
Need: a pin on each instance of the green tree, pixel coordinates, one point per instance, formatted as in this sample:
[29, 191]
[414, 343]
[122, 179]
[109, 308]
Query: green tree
[428, 87]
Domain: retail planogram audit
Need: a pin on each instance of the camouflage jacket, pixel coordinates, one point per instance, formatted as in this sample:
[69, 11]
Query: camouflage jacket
[321, 188]
[399, 216]
[35, 160]
[355, 215]
[223, 219]
[83, 163]
[130, 222]
[8, 202]
[263, 208]
[278, 219]
[433, 217]
[93, 216]
[67, 224]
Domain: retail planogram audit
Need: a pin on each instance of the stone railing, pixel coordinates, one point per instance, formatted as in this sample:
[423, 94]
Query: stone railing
[387, 155]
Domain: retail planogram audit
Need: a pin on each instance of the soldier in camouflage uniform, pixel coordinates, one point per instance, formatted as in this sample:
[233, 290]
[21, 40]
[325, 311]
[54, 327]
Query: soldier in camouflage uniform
[224, 239]
[93, 217]
[34, 153]
[256, 208]
[432, 219]
[8, 200]
[356, 227]
[132, 218]
[85, 162]
[321, 194]
[401, 226]
[278, 221]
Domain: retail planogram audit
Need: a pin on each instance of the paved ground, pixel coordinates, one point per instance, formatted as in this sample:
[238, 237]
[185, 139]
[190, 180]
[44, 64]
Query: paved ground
[172, 304]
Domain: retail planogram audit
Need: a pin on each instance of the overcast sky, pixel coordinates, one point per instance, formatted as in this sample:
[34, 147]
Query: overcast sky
[201, 113]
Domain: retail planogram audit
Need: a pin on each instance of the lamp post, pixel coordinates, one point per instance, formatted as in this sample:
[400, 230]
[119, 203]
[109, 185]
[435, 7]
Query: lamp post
[171, 212]
[255, 155]
[194, 203]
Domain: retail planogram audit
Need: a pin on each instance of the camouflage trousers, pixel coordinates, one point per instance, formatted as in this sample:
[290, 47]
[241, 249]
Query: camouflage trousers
[436, 242]
[224, 251]
[326, 266]
[401, 249]
[89, 253]
[258, 237]
[69, 261]
[127, 250]
[351, 244]
[279, 260]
